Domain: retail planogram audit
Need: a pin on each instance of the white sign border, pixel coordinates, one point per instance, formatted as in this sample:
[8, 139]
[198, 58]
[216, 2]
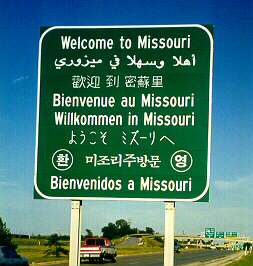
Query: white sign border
[209, 118]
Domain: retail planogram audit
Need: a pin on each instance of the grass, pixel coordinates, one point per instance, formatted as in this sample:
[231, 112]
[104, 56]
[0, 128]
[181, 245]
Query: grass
[37, 254]
[245, 261]
[151, 242]
[34, 250]
[136, 250]
[119, 240]
[150, 245]
[29, 241]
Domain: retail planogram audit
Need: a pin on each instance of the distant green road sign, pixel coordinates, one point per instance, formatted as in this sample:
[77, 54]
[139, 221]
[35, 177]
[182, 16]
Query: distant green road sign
[210, 232]
[220, 234]
[232, 234]
[124, 113]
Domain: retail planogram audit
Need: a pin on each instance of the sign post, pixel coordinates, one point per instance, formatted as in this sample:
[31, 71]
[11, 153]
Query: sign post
[169, 233]
[75, 233]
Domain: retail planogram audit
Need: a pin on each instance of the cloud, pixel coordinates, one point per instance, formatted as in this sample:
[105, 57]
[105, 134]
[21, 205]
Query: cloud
[223, 218]
[20, 79]
[5, 183]
[233, 184]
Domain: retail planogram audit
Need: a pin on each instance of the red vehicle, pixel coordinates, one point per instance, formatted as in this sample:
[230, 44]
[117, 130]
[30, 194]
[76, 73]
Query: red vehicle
[98, 248]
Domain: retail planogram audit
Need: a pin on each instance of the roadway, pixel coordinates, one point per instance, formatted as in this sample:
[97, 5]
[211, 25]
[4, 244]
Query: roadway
[157, 259]
[130, 241]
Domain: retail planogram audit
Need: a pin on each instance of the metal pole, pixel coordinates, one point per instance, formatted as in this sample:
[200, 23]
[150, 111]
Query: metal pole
[169, 233]
[75, 233]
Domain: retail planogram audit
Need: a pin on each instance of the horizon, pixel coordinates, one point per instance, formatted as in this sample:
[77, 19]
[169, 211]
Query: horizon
[230, 198]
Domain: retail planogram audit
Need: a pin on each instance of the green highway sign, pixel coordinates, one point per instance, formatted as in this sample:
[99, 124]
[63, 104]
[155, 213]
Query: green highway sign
[220, 234]
[124, 112]
[210, 232]
[232, 234]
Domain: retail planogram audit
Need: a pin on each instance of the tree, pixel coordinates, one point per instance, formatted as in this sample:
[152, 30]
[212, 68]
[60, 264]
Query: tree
[5, 236]
[134, 230]
[123, 227]
[89, 233]
[110, 231]
[55, 247]
[150, 230]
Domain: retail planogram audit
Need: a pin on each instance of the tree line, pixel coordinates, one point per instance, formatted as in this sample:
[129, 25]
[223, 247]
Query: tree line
[123, 228]
[118, 229]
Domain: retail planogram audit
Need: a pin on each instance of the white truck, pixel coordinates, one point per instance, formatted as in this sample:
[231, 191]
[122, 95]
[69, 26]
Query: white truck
[98, 249]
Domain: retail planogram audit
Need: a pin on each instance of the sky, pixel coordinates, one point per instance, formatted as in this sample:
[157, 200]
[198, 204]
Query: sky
[230, 207]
